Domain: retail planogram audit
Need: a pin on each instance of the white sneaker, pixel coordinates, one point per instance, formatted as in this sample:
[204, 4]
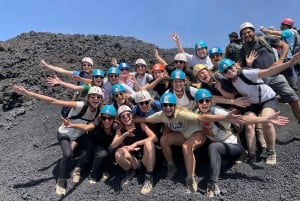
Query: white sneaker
[76, 175]
[271, 158]
[191, 184]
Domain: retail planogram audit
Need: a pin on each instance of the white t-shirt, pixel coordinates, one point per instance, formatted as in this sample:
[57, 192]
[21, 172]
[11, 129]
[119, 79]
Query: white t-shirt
[88, 116]
[194, 60]
[184, 101]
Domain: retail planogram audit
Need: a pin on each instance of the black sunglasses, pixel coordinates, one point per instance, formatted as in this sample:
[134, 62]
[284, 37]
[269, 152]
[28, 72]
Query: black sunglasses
[103, 118]
[144, 103]
[140, 65]
[168, 105]
[119, 94]
[226, 69]
[179, 61]
[111, 76]
[204, 100]
[98, 76]
[123, 116]
[124, 69]
[215, 55]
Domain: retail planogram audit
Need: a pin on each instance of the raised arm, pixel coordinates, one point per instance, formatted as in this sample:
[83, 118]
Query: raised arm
[54, 80]
[175, 37]
[21, 90]
[84, 127]
[159, 58]
[55, 68]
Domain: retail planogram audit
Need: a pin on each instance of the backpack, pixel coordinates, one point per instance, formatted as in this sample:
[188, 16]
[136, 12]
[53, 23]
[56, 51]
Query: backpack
[235, 49]
[296, 47]
[80, 114]
[249, 82]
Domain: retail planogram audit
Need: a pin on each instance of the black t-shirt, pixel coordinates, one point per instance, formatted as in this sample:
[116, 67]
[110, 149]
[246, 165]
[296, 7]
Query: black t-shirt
[99, 136]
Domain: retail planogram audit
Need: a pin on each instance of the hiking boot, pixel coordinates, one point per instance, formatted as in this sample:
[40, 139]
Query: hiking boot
[92, 180]
[105, 176]
[171, 170]
[76, 175]
[60, 188]
[129, 176]
[147, 186]
[251, 158]
[271, 157]
[191, 184]
[261, 152]
[213, 190]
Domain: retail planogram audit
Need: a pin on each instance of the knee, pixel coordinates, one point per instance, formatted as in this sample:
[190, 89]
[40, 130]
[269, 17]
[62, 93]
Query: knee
[164, 140]
[101, 154]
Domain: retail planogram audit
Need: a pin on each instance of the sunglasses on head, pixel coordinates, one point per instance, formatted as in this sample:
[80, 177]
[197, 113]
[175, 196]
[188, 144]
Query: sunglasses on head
[144, 103]
[226, 70]
[179, 61]
[215, 55]
[98, 76]
[204, 100]
[119, 94]
[104, 118]
[95, 97]
[123, 116]
[111, 76]
[168, 105]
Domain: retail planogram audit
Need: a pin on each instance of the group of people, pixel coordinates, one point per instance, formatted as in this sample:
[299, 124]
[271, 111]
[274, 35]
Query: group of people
[126, 116]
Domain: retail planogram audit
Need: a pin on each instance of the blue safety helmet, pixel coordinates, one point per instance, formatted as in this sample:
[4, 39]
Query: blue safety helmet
[98, 72]
[178, 74]
[123, 65]
[113, 70]
[225, 63]
[202, 94]
[168, 98]
[214, 50]
[108, 109]
[116, 88]
[200, 44]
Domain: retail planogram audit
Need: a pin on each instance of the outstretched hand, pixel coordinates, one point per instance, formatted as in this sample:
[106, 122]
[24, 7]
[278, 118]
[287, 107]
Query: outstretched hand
[53, 80]
[242, 102]
[233, 118]
[251, 57]
[277, 119]
[20, 90]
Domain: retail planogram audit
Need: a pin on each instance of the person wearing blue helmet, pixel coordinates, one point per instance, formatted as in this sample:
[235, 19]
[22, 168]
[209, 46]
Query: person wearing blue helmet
[262, 97]
[101, 132]
[182, 128]
[201, 56]
[125, 76]
[223, 142]
[120, 97]
[215, 55]
[113, 74]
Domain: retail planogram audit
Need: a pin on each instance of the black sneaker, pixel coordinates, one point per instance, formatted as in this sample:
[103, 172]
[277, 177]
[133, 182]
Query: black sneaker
[250, 158]
[213, 190]
[129, 176]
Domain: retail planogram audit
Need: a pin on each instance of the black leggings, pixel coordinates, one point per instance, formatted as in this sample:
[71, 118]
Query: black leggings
[87, 146]
[216, 150]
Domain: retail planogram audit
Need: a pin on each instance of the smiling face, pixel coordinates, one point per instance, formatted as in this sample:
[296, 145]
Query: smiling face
[98, 80]
[94, 100]
[202, 52]
[120, 98]
[204, 76]
[247, 35]
[168, 109]
[126, 118]
[178, 85]
[204, 105]
[230, 72]
[215, 58]
[87, 67]
[145, 106]
[107, 120]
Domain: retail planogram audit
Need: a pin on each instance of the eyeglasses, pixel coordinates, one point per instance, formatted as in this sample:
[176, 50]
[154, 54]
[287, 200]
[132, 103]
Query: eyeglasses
[123, 116]
[226, 69]
[104, 118]
[204, 100]
[215, 55]
[179, 61]
[86, 64]
[144, 103]
[95, 97]
[98, 76]
[140, 65]
[124, 69]
[119, 94]
[168, 105]
[111, 76]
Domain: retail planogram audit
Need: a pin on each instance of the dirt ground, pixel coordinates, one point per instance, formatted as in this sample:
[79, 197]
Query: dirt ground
[31, 154]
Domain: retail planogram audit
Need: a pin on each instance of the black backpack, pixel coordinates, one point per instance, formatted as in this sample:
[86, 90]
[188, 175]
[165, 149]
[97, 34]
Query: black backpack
[235, 49]
[80, 114]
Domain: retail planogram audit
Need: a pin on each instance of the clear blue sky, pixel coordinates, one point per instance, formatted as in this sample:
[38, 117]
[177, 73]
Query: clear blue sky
[148, 20]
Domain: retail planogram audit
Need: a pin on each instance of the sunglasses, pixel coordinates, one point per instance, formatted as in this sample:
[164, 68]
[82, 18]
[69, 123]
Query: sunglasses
[126, 115]
[144, 103]
[139, 65]
[168, 105]
[204, 100]
[179, 62]
[86, 64]
[117, 95]
[111, 76]
[104, 118]
[124, 69]
[98, 76]
[215, 55]
[95, 97]
[227, 69]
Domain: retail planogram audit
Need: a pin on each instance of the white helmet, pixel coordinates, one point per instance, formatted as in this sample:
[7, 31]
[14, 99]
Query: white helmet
[140, 61]
[142, 96]
[123, 108]
[95, 90]
[246, 25]
[88, 59]
[180, 57]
